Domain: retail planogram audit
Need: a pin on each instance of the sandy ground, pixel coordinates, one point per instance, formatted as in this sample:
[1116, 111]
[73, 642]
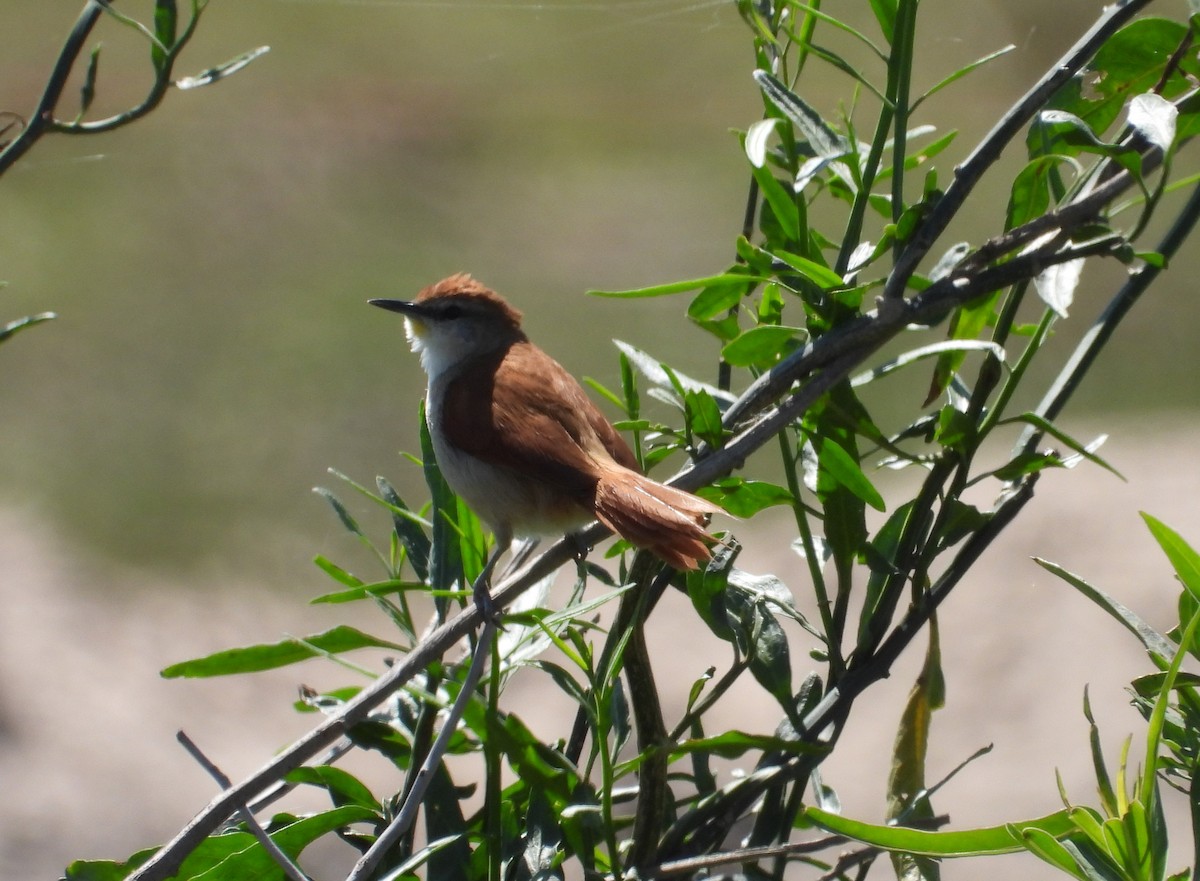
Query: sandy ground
[89, 766]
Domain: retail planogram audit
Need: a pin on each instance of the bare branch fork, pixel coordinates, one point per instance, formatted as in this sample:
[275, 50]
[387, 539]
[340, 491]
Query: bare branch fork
[44, 118]
[755, 419]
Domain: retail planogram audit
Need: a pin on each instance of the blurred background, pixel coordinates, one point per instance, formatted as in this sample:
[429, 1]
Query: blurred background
[214, 355]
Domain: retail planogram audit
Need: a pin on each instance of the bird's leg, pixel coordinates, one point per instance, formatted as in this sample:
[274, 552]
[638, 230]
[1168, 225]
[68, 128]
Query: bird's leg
[481, 590]
[521, 556]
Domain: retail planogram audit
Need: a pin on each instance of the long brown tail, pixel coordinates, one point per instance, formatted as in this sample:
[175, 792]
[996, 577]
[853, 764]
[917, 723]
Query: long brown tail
[666, 521]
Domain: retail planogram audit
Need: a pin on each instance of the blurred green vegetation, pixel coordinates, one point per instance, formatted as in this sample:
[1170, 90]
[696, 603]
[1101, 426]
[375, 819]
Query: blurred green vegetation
[210, 264]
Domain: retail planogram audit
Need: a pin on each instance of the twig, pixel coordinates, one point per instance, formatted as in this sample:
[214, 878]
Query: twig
[293, 871]
[689, 865]
[989, 149]
[43, 115]
[1098, 334]
[403, 820]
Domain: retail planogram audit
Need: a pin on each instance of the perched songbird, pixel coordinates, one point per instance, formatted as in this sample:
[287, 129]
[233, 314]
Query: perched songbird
[518, 439]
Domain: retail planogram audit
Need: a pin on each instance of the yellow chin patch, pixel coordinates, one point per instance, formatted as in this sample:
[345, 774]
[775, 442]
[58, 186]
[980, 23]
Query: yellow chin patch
[414, 328]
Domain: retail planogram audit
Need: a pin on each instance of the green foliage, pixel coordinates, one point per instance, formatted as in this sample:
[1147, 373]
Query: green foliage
[797, 319]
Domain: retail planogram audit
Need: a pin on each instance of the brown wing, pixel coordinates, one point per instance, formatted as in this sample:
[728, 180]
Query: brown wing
[525, 392]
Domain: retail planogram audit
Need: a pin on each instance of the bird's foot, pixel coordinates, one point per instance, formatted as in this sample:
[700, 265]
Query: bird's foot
[579, 546]
[482, 595]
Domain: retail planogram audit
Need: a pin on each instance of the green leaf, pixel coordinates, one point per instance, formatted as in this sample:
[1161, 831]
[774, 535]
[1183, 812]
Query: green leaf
[343, 787]
[444, 821]
[963, 71]
[1056, 285]
[107, 870]
[7, 330]
[1157, 645]
[745, 498]
[908, 800]
[878, 608]
[654, 370]
[933, 350]
[756, 140]
[1043, 425]
[840, 465]
[1006, 838]
[1055, 852]
[336, 572]
[885, 14]
[166, 19]
[1184, 560]
[1154, 117]
[251, 659]
[824, 141]
[409, 531]
[762, 346]
[221, 71]
[716, 300]
[819, 274]
[679, 287]
[704, 417]
[734, 744]
[782, 202]
[445, 553]
[1033, 189]
[343, 514]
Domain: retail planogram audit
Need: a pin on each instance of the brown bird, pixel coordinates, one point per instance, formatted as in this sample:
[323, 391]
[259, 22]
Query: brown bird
[518, 439]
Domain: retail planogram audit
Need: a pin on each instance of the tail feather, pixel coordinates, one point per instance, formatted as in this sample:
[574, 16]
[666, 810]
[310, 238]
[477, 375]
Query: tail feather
[666, 521]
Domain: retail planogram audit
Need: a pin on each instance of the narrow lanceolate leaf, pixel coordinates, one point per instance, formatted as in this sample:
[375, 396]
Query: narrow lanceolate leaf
[254, 658]
[824, 141]
[675, 287]
[7, 330]
[1184, 559]
[908, 801]
[410, 533]
[966, 843]
[756, 140]
[340, 509]
[166, 19]
[1154, 642]
[1044, 425]
[841, 466]
[930, 351]
[221, 71]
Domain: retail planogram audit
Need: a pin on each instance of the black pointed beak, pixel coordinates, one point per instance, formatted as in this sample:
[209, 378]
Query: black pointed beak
[404, 307]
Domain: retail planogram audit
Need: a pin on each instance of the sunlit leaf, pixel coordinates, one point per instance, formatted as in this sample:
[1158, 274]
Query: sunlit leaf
[1154, 118]
[253, 658]
[824, 141]
[220, 72]
[676, 287]
[761, 346]
[1184, 560]
[966, 843]
[756, 140]
[1056, 285]
[7, 330]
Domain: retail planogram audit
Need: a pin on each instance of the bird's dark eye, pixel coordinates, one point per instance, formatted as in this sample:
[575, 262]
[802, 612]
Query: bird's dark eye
[452, 311]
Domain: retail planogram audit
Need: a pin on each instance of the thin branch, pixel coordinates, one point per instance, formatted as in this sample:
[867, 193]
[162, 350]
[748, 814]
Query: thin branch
[408, 812]
[1099, 333]
[43, 114]
[293, 871]
[968, 174]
